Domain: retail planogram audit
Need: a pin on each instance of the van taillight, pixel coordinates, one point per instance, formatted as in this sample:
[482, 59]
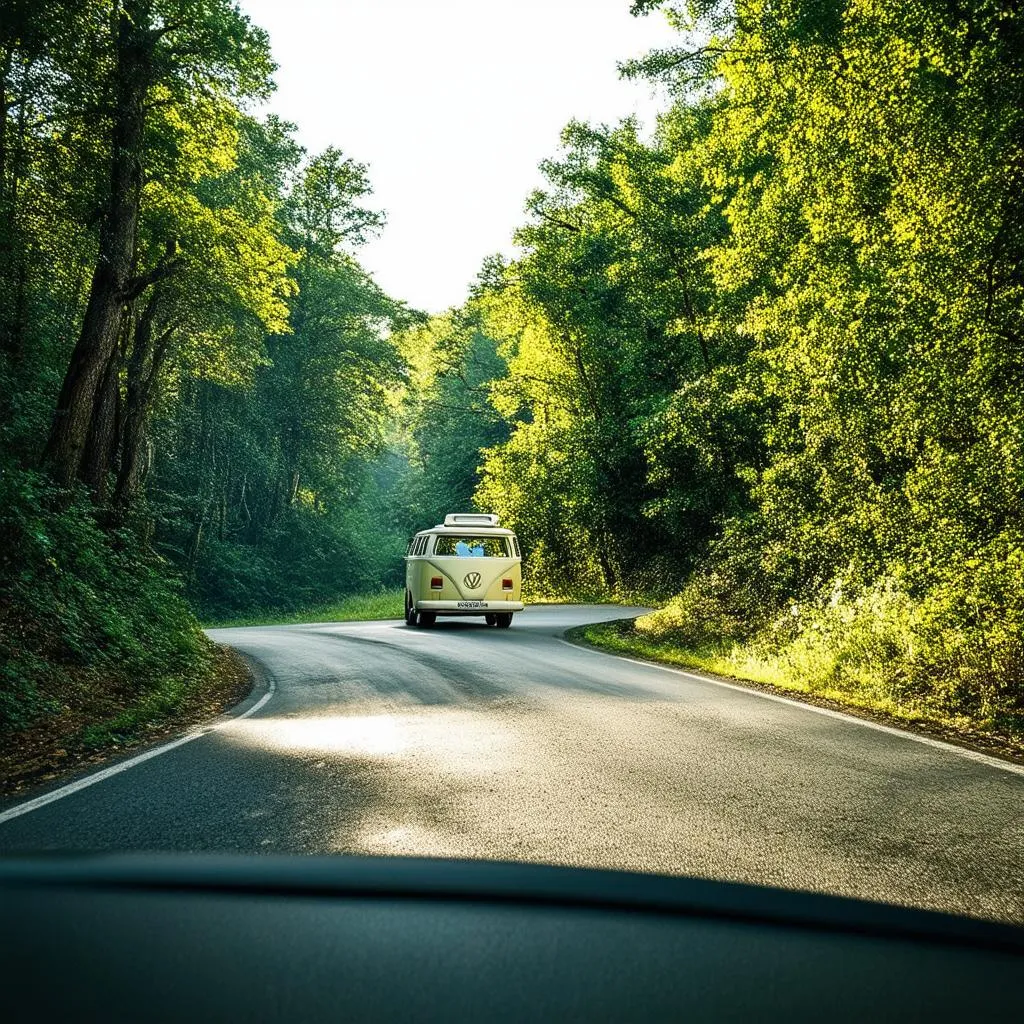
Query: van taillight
[506, 584]
[436, 583]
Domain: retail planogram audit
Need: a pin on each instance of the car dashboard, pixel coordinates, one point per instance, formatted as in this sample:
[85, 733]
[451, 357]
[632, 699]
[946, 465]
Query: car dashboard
[197, 938]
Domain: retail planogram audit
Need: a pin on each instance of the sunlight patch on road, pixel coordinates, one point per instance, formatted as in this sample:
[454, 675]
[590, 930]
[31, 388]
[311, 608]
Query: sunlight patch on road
[368, 735]
[404, 840]
[441, 741]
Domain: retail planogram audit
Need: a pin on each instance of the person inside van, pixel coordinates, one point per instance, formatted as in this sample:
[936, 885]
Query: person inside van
[462, 549]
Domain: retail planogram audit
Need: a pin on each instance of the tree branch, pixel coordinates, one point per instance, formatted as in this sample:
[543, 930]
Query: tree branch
[135, 286]
[557, 221]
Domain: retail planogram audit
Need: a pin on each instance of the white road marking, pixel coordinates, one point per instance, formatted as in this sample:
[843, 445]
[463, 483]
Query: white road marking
[123, 766]
[971, 755]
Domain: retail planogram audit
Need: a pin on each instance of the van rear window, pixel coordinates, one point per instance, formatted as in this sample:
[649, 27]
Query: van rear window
[468, 546]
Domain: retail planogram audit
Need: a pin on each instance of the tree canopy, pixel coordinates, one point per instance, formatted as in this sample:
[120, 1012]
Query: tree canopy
[761, 365]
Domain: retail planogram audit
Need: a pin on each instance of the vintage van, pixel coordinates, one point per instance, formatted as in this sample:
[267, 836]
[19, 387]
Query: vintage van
[467, 565]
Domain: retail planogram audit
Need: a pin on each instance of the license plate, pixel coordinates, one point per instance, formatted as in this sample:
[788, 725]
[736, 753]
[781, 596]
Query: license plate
[472, 604]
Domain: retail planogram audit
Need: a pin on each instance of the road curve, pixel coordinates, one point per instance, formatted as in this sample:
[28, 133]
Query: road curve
[465, 741]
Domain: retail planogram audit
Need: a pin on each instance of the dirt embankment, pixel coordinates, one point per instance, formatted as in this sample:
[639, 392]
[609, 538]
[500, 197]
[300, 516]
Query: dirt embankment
[97, 725]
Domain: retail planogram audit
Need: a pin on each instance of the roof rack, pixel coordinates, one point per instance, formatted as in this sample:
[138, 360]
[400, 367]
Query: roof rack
[470, 519]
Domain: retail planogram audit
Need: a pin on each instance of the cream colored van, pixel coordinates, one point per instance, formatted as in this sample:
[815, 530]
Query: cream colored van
[467, 565]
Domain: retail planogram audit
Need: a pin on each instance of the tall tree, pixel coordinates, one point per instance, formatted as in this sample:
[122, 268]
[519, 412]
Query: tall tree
[159, 51]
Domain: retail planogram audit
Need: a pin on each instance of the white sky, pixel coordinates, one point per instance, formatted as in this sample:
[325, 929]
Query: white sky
[452, 103]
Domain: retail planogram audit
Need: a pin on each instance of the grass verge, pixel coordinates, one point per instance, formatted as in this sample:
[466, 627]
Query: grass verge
[386, 604]
[97, 723]
[578, 597]
[620, 636]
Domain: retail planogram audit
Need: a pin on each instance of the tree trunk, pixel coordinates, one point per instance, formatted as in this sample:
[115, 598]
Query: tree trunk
[101, 446]
[148, 356]
[611, 580]
[133, 423]
[195, 543]
[66, 450]
[691, 315]
[13, 254]
[5, 74]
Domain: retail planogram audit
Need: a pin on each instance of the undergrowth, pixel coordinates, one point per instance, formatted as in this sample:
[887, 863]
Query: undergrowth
[917, 660]
[85, 613]
[384, 604]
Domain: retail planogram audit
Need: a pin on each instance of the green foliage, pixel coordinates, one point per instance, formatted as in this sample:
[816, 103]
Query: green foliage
[156, 705]
[770, 359]
[272, 497]
[383, 604]
[767, 360]
[953, 658]
[236, 436]
[79, 603]
[634, 418]
[444, 420]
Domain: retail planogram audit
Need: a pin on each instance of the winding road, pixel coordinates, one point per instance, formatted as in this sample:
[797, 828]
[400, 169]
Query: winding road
[465, 741]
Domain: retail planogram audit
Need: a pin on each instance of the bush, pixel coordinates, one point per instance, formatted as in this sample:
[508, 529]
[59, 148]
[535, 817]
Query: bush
[81, 606]
[955, 652]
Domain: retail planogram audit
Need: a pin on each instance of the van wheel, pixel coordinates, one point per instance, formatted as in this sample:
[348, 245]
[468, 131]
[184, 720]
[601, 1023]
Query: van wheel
[410, 612]
[491, 619]
[504, 619]
[427, 619]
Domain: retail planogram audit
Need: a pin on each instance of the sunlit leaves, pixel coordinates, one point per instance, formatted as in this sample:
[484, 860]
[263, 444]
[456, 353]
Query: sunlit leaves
[799, 309]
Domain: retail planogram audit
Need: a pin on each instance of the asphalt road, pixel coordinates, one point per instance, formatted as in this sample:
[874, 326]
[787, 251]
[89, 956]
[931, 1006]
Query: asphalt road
[465, 741]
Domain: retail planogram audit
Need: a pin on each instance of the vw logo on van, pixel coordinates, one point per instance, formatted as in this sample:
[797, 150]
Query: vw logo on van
[472, 580]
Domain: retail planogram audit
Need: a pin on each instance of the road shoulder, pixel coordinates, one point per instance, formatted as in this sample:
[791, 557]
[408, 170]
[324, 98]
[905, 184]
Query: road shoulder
[77, 742]
[611, 637]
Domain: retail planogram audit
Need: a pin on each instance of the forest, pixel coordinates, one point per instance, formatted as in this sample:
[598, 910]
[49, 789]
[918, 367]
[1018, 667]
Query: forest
[762, 368]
